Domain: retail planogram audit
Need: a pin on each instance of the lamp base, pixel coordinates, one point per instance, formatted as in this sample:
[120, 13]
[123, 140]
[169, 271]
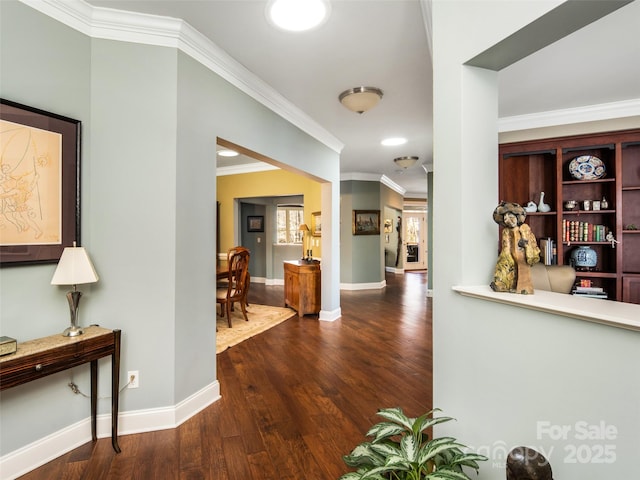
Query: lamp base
[74, 299]
[72, 331]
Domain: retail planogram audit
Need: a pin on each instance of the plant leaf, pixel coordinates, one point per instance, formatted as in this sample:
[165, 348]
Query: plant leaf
[447, 475]
[386, 449]
[351, 476]
[384, 430]
[363, 454]
[396, 415]
[435, 447]
[410, 448]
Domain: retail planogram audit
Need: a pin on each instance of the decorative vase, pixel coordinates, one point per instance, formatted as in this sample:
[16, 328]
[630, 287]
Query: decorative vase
[584, 257]
[604, 204]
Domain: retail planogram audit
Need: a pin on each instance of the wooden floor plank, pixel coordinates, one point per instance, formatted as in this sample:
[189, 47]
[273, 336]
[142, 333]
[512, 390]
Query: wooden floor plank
[295, 399]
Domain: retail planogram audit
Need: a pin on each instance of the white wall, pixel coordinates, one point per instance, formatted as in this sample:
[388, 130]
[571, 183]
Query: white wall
[503, 372]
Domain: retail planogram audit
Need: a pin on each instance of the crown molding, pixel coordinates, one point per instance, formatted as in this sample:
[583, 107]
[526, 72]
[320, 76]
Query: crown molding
[590, 113]
[119, 25]
[245, 168]
[373, 177]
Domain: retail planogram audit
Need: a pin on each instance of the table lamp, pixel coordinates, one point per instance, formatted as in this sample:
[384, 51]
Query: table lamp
[74, 268]
[306, 253]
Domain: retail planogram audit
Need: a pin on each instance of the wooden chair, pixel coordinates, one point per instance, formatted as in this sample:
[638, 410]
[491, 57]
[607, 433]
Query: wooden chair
[222, 282]
[235, 291]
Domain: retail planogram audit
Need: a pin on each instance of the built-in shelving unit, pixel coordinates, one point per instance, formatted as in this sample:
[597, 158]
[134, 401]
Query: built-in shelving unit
[528, 168]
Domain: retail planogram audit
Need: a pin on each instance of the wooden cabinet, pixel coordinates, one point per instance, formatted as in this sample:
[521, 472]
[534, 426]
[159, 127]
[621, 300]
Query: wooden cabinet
[526, 169]
[302, 286]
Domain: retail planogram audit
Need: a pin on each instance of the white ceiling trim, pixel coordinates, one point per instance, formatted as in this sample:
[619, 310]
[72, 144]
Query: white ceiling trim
[373, 177]
[590, 113]
[245, 168]
[155, 30]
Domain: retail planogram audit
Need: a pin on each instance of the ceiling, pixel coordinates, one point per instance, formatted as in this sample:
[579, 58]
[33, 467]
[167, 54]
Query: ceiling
[384, 44]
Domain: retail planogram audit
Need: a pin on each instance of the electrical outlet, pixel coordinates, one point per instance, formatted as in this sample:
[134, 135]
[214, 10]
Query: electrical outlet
[134, 379]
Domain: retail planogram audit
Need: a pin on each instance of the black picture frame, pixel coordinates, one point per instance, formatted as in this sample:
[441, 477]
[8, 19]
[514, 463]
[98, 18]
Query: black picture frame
[31, 192]
[255, 223]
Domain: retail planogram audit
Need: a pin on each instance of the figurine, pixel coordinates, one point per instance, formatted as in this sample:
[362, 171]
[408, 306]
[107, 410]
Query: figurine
[519, 251]
[531, 207]
[543, 207]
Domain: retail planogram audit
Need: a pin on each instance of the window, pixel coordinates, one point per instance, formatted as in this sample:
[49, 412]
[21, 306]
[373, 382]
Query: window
[288, 221]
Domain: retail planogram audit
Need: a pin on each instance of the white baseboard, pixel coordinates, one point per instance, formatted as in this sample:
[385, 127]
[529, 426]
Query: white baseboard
[36, 454]
[330, 315]
[363, 286]
[397, 271]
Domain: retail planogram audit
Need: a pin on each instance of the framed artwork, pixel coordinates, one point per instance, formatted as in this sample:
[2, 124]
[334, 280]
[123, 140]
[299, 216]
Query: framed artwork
[255, 223]
[316, 224]
[39, 184]
[366, 222]
[388, 225]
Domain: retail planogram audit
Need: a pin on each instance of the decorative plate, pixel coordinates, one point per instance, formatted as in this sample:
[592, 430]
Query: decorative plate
[587, 167]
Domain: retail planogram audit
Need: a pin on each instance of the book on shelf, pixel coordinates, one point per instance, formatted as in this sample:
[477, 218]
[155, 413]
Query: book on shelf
[577, 231]
[589, 292]
[548, 251]
[603, 296]
[579, 289]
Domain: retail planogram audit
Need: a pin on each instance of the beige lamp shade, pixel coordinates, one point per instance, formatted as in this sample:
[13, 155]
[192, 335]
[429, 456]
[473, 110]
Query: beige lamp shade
[74, 268]
[360, 99]
[304, 227]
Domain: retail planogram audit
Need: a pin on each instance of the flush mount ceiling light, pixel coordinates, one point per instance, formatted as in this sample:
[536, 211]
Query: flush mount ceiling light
[392, 142]
[228, 153]
[405, 162]
[297, 15]
[360, 99]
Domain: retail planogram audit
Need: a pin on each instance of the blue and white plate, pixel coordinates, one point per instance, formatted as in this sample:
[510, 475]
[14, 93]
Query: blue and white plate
[587, 167]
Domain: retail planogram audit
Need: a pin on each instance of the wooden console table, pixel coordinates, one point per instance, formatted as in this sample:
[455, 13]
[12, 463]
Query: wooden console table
[41, 357]
[302, 286]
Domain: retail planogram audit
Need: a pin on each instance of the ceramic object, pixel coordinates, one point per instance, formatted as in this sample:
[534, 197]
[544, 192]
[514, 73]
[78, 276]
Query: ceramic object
[584, 257]
[570, 204]
[604, 204]
[543, 207]
[587, 167]
[531, 207]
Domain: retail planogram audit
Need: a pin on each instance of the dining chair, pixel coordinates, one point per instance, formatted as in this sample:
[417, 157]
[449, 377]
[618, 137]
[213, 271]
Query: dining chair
[235, 290]
[222, 281]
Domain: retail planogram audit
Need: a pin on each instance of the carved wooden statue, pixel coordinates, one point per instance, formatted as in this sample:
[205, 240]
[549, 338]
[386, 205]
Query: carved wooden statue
[519, 251]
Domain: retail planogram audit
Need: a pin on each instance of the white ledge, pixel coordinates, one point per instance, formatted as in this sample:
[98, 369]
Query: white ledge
[606, 312]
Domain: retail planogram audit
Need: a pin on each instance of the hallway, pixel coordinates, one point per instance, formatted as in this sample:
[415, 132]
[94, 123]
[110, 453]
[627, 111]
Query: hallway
[294, 399]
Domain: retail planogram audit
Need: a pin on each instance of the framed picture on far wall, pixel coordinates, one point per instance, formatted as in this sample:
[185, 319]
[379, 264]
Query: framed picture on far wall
[316, 224]
[366, 222]
[255, 223]
[39, 177]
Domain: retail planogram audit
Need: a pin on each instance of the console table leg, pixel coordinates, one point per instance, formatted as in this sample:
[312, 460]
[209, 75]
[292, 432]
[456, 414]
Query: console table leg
[94, 398]
[115, 390]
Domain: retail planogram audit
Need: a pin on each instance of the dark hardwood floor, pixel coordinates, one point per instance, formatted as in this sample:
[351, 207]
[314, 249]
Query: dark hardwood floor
[294, 399]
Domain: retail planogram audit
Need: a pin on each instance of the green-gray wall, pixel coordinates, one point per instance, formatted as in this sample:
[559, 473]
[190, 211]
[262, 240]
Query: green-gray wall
[150, 118]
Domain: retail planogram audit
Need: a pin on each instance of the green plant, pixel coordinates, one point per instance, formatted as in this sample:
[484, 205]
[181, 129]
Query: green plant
[401, 450]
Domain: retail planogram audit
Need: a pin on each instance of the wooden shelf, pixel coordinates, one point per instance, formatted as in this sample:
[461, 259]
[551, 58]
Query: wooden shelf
[530, 167]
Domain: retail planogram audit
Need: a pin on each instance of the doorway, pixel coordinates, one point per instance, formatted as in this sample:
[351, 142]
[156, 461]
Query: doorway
[415, 240]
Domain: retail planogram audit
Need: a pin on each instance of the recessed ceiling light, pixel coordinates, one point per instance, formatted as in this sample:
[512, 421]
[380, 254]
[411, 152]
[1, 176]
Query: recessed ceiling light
[297, 15]
[228, 153]
[390, 142]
